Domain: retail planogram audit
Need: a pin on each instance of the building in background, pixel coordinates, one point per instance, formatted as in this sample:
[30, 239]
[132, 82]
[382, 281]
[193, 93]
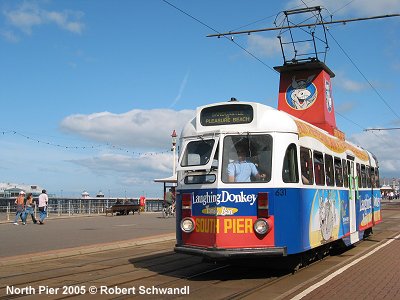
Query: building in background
[11, 190]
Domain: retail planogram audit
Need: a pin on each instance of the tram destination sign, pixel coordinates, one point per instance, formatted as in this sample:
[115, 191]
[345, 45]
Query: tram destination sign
[226, 115]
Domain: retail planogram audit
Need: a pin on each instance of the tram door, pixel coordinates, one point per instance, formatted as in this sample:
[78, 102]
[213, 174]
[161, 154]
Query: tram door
[352, 199]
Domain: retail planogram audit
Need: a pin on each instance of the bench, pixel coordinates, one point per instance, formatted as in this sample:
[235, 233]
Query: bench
[123, 209]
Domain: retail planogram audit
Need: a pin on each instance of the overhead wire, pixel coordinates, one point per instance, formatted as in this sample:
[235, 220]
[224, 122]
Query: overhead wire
[216, 31]
[348, 56]
[263, 19]
[354, 64]
[269, 67]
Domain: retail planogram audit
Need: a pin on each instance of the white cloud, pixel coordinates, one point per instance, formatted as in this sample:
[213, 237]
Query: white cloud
[129, 169]
[136, 128]
[263, 46]
[383, 144]
[345, 107]
[350, 85]
[9, 36]
[29, 15]
[347, 84]
[144, 164]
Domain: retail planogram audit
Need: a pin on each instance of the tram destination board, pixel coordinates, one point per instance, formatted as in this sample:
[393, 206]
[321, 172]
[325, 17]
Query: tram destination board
[226, 115]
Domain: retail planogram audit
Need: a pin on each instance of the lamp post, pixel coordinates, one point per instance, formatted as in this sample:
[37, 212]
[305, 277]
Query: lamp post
[173, 149]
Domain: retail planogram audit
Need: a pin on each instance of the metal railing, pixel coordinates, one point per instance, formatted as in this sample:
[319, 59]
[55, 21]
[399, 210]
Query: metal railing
[71, 207]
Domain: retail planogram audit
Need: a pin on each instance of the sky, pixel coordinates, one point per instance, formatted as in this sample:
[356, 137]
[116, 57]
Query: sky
[90, 91]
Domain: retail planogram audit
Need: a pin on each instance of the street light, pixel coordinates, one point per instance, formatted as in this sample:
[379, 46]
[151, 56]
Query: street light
[173, 149]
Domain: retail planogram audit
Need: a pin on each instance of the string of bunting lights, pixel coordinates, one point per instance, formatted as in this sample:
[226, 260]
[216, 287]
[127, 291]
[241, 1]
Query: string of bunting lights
[108, 145]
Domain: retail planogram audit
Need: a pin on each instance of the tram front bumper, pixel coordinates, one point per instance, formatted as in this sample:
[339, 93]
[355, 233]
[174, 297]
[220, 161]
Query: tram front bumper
[231, 253]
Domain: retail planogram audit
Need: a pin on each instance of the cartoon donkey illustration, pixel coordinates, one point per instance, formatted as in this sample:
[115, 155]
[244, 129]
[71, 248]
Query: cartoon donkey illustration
[301, 96]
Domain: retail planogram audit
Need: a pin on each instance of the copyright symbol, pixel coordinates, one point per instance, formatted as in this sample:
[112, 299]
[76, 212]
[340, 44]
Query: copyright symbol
[93, 290]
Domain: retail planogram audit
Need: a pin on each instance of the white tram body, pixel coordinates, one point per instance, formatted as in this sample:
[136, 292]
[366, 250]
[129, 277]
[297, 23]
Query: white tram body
[312, 188]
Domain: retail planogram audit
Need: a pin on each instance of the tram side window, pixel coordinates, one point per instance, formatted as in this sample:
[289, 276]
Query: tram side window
[377, 183]
[307, 175]
[319, 170]
[358, 170]
[330, 180]
[368, 174]
[247, 158]
[338, 172]
[363, 177]
[372, 172]
[290, 173]
[345, 173]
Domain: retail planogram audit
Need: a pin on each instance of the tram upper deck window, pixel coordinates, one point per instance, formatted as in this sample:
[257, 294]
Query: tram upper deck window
[319, 169]
[329, 172]
[247, 158]
[290, 171]
[307, 175]
[338, 172]
[197, 153]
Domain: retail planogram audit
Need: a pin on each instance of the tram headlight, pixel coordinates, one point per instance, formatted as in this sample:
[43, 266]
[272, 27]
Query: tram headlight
[261, 226]
[187, 225]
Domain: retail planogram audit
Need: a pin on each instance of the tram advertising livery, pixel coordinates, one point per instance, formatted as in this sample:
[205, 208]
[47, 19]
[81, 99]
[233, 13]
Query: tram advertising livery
[259, 181]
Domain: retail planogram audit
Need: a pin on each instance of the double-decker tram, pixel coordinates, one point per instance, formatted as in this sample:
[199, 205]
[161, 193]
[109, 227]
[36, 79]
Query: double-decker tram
[258, 181]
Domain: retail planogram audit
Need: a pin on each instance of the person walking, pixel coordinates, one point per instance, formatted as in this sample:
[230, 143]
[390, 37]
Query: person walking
[43, 201]
[19, 202]
[29, 209]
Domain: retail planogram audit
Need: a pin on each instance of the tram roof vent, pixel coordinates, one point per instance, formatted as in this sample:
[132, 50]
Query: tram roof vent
[233, 99]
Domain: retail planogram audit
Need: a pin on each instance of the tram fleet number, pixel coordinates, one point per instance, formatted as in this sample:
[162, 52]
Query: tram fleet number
[280, 192]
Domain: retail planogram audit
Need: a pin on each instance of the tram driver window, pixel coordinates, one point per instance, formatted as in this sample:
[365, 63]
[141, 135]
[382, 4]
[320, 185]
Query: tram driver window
[247, 158]
[307, 175]
[319, 169]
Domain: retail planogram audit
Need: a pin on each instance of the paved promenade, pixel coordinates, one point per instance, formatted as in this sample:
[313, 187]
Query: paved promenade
[371, 270]
[63, 234]
[372, 274]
